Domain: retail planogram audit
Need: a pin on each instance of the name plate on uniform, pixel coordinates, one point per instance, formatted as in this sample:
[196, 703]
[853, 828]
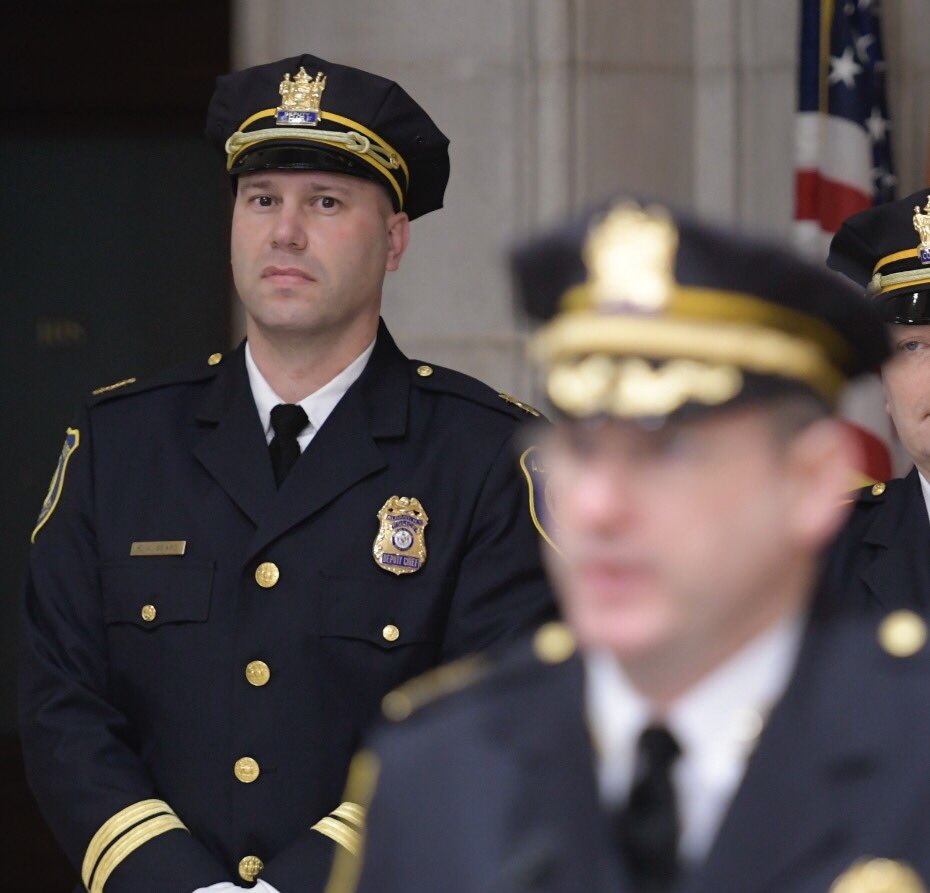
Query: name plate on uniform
[158, 547]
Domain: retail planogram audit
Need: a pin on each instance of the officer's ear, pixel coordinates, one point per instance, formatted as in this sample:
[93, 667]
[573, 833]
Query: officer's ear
[398, 233]
[820, 461]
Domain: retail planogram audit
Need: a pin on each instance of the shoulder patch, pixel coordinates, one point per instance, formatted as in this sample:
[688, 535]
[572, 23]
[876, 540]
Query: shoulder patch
[112, 387]
[513, 401]
[542, 499]
[433, 685]
[50, 503]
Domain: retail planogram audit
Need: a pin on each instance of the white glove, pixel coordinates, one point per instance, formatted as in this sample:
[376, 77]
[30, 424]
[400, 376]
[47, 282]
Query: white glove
[227, 887]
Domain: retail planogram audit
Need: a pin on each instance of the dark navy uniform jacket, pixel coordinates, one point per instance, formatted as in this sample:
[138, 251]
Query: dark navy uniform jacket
[493, 788]
[881, 559]
[134, 684]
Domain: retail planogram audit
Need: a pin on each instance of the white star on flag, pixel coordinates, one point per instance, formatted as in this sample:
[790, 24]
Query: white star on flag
[877, 125]
[844, 68]
[863, 42]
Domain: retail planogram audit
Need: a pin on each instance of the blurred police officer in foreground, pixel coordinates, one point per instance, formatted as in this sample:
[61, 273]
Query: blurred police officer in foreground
[705, 721]
[881, 556]
[238, 558]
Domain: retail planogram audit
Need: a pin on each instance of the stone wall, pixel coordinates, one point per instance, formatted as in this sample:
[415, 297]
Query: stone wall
[550, 104]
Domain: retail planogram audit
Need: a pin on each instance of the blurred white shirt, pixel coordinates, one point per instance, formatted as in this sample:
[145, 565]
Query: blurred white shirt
[716, 725]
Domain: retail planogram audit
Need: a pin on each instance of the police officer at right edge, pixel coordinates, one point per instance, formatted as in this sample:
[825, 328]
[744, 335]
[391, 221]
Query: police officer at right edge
[880, 558]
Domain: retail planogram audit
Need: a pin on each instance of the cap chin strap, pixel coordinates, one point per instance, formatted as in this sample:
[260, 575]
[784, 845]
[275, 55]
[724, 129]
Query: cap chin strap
[881, 284]
[381, 159]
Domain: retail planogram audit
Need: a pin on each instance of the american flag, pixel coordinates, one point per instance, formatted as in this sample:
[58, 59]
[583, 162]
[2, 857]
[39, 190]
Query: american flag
[843, 162]
[843, 136]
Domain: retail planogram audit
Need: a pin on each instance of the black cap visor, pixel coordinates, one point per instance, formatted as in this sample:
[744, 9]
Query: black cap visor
[906, 307]
[294, 156]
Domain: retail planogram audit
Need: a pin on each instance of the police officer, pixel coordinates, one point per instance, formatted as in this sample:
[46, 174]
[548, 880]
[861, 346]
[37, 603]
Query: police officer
[238, 558]
[879, 559]
[702, 723]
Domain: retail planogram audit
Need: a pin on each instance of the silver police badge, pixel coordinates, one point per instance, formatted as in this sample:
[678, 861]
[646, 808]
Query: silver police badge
[400, 546]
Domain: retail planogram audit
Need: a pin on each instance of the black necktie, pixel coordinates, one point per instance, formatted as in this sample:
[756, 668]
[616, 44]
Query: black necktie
[648, 827]
[287, 420]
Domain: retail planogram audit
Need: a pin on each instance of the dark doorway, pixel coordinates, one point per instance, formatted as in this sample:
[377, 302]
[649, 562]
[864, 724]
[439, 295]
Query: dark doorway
[113, 214]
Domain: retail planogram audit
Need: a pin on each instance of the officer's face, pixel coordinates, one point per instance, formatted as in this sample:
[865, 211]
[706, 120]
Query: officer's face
[680, 544]
[906, 380]
[310, 250]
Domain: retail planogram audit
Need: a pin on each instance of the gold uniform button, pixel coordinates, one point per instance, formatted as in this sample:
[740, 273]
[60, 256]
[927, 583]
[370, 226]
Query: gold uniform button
[553, 643]
[250, 868]
[148, 613]
[391, 633]
[878, 489]
[214, 358]
[267, 574]
[247, 770]
[902, 633]
[258, 673]
[424, 371]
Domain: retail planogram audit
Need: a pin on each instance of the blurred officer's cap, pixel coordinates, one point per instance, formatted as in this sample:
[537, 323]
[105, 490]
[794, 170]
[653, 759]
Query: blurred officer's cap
[649, 312]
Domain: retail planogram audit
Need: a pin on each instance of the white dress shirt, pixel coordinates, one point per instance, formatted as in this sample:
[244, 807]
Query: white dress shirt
[317, 405]
[716, 725]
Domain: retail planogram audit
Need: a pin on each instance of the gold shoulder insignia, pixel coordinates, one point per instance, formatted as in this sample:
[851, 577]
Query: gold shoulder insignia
[401, 703]
[513, 401]
[112, 387]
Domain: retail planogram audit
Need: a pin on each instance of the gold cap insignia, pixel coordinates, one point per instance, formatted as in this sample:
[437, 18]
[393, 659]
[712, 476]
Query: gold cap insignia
[400, 546]
[922, 225]
[630, 256]
[879, 876]
[300, 99]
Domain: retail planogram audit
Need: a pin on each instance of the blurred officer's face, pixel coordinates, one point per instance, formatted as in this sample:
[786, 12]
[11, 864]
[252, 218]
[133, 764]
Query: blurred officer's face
[310, 249]
[680, 544]
[906, 380]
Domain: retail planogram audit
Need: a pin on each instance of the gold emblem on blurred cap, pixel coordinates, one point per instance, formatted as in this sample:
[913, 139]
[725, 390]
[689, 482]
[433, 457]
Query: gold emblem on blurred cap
[300, 99]
[630, 257]
[902, 633]
[631, 387]
[922, 225]
[879, 876]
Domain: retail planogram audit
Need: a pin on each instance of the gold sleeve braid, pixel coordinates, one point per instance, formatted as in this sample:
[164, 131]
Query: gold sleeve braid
[360, 787]
[121, 835]
[345, 825]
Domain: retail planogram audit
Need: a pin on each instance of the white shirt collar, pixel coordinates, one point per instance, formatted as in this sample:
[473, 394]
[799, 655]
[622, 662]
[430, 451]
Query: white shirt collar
[716, 724]
[925, 489]
[317, 405]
